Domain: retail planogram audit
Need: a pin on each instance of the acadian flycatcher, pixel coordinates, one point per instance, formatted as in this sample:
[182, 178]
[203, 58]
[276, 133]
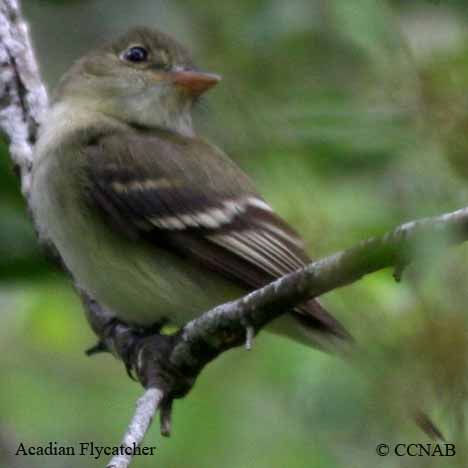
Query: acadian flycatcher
[151, 220]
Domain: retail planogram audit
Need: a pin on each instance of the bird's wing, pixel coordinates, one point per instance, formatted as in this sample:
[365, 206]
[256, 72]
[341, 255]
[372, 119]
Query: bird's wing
[164, 188]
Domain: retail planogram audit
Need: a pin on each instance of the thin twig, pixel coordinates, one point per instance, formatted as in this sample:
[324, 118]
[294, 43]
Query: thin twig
[249, 337]
[146, 408]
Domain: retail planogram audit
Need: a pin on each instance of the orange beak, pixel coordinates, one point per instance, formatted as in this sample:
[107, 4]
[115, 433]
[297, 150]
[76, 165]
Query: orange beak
[193, 82]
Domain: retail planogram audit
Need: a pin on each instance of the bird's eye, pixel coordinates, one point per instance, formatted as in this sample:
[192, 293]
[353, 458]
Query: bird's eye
[136, 54]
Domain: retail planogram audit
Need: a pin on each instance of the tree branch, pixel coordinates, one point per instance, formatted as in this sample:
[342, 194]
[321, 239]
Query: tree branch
[171, 364]
[146, 408]
[223, 327]
[168, 366]
[23, 97]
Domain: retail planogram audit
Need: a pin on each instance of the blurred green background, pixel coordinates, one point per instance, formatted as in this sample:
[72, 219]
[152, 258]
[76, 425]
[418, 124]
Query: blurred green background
[352, 117]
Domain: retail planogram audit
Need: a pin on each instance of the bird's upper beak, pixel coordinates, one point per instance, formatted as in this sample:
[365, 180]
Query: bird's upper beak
[193, 82]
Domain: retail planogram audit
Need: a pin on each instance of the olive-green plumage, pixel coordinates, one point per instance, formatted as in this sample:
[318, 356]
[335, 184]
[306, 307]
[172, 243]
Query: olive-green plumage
[152, 221]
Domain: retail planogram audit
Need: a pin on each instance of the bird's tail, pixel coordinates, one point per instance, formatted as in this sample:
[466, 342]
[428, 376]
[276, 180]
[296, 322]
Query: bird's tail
[312, 325]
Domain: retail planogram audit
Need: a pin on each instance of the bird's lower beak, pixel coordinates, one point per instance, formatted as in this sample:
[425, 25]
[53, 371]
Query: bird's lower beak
[193, 82]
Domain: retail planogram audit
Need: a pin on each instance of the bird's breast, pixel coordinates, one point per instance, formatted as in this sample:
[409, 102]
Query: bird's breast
[137, 281]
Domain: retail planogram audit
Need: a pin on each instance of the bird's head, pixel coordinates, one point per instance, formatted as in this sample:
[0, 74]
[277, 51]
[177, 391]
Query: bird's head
[144, 77]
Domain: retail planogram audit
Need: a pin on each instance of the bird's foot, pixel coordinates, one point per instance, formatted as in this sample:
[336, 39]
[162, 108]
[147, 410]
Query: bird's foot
[119, 339]
[99, 347]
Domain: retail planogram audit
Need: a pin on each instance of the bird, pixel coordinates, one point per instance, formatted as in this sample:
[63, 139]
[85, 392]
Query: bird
[151, 220]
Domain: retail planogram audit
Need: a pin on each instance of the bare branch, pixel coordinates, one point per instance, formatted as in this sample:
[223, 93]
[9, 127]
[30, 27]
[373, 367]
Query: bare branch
[172, 363]
[23, 98]
[249, 337]
[345, 267]
[204, 338]
[145, 410]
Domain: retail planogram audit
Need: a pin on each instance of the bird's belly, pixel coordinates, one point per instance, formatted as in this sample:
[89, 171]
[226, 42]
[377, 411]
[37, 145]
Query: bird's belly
[139, 283]
[145, 286]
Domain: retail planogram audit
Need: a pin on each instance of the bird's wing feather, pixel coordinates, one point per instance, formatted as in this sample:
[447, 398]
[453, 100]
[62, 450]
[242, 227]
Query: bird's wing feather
[209, 213]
